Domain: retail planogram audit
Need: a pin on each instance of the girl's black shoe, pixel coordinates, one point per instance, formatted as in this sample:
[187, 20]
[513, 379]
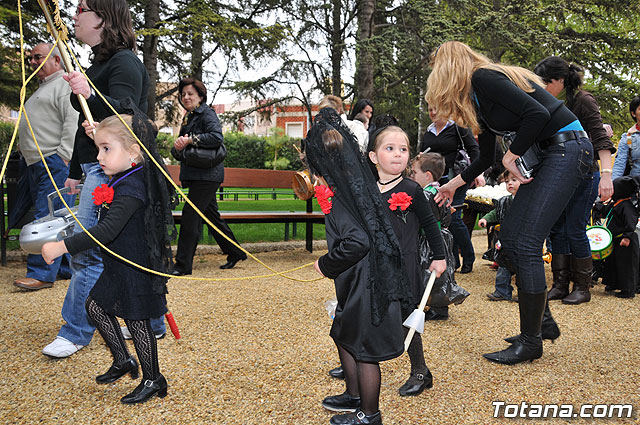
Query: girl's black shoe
[118, 370]
[416, 384]
[357, 418]
[146, 390]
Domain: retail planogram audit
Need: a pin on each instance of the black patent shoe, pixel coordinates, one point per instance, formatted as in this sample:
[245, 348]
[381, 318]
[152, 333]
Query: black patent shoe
[357, 418]
[337, 372]
[344, 402]
[416, 384]
[231, 263]
[145, 390]
[118, 370]
[432, 315]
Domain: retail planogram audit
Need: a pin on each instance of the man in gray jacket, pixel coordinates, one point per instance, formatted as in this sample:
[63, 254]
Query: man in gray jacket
[54, 123]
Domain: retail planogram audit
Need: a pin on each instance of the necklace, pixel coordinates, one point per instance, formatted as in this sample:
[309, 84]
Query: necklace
[390, 181]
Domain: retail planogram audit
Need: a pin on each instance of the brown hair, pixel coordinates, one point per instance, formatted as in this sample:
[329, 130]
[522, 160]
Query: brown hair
[117, 27]
[114, 126]
[332, 140]
[197, 85]
[449, 84]
[331, 101]
[430, 162]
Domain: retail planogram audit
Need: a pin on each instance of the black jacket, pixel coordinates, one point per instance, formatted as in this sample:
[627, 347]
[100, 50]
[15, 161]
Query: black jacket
[204, 127]
[447, 144]
[120, 77]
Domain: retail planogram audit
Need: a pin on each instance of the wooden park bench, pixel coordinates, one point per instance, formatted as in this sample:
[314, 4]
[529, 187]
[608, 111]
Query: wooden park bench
[254, 182]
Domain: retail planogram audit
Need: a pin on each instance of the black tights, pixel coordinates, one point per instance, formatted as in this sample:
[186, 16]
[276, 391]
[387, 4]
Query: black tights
[363, 379]
[416, 354]
[143, 337]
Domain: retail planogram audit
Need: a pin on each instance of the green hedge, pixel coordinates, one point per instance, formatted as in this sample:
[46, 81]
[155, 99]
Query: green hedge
[250, 151]
[6, 131]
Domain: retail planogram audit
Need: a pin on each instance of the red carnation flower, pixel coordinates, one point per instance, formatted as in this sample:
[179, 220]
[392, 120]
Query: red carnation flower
[103, 195]
[399, 200]
[323, 193]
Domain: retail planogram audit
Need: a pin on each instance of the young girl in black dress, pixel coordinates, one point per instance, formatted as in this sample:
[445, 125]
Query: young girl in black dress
[365, 261]
[410, 211]
[133, 223]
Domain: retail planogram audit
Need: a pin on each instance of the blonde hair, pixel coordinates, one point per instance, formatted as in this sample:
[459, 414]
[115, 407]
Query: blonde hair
[449, 84]
[114, 126]
[389, 130]
[331, 101]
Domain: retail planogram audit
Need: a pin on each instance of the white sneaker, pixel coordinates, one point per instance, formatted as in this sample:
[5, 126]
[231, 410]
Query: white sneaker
[127, 335]
[61, 348]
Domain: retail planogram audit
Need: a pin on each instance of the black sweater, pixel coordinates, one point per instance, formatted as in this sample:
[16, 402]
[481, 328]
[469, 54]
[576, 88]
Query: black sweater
[122, 76]
[502, 106]
[447, 143]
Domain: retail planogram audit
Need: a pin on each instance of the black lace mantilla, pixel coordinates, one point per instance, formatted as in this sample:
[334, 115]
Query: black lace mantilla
[351, 179]
[159, 225]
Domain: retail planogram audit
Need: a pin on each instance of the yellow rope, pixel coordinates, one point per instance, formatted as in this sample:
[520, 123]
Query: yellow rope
[22, 109]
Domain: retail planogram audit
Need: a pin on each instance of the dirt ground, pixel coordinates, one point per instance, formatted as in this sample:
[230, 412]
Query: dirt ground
[257, 351]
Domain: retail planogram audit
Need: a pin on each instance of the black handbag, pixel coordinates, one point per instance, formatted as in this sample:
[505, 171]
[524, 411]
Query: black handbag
[200, 157]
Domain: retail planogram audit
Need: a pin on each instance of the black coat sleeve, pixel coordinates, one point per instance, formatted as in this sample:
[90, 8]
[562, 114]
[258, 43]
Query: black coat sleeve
[208, 133]
[428, 224]
[486, 158]
[119, 213]
[352, 247]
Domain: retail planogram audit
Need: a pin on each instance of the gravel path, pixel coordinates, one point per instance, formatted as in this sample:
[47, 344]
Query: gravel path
[258, 351]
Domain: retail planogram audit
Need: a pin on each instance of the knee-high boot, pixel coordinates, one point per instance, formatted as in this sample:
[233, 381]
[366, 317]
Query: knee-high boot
[560, 267]
[581, 269]
[528, 346]
[550, 329]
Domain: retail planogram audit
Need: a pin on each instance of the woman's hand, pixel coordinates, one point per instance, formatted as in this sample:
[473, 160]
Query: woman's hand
[605, 188]
[72, 183]
[317, 267]
[78, 84]
[480, 181]
[625, 242]
[482, 223]
[182, 142]
[509, 162]
[438, 267]
[52, 250]
[89, 129]
[445, 194]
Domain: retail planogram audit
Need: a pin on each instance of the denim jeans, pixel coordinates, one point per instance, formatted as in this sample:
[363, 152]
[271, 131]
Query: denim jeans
[568, 235]
[40, 186]
[459, 230]
[538, 205]
[503, 282]
[87, 267]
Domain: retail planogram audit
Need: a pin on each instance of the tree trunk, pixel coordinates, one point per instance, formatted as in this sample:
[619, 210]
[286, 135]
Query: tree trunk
[150, 53]
[364, 54]
[196, 57]
[337, 47]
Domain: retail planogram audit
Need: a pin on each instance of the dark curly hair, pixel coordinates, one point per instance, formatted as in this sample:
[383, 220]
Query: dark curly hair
[117, 29]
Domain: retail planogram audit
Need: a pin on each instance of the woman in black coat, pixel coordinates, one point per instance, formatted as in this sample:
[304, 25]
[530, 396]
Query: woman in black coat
[200, 127]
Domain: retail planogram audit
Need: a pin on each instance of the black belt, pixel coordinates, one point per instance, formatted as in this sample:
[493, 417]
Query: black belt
[563, 137]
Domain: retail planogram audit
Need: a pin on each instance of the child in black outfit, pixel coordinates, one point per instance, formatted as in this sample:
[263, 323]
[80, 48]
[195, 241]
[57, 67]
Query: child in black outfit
[134, 222]
[621, 267]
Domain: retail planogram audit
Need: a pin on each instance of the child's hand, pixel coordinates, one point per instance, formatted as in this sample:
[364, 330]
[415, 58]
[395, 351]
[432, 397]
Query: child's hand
[482, 223]
[89, 129]
[625, 242]
[438, 267]
[317, 267]
[52, 250]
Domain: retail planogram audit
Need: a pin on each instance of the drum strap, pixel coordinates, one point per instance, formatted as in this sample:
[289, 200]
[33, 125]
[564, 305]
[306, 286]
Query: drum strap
[611, 210]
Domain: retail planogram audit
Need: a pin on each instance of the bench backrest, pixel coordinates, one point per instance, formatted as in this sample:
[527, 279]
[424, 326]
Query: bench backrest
[247, 177]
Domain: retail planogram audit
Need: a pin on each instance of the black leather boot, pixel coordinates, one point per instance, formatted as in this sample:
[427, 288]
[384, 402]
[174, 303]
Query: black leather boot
[528, 346]
[118, 370]
[146, 390]
[581, 269]
[550, 329]
[560, 267]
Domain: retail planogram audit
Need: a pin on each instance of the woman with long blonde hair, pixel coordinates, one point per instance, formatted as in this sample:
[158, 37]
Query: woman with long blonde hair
[494, 99]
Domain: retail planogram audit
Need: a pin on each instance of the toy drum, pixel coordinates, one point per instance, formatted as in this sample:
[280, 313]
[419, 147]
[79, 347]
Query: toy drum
[302, 185]
[600, 241]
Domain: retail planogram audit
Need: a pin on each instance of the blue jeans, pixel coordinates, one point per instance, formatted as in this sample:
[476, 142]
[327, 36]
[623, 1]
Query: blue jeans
[568, 235]
[40, 186]
[87, 267]
[461, 238]
[503, 282]
[537, 206]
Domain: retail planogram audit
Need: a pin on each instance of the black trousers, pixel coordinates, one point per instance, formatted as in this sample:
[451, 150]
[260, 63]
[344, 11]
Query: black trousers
[203, 195]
